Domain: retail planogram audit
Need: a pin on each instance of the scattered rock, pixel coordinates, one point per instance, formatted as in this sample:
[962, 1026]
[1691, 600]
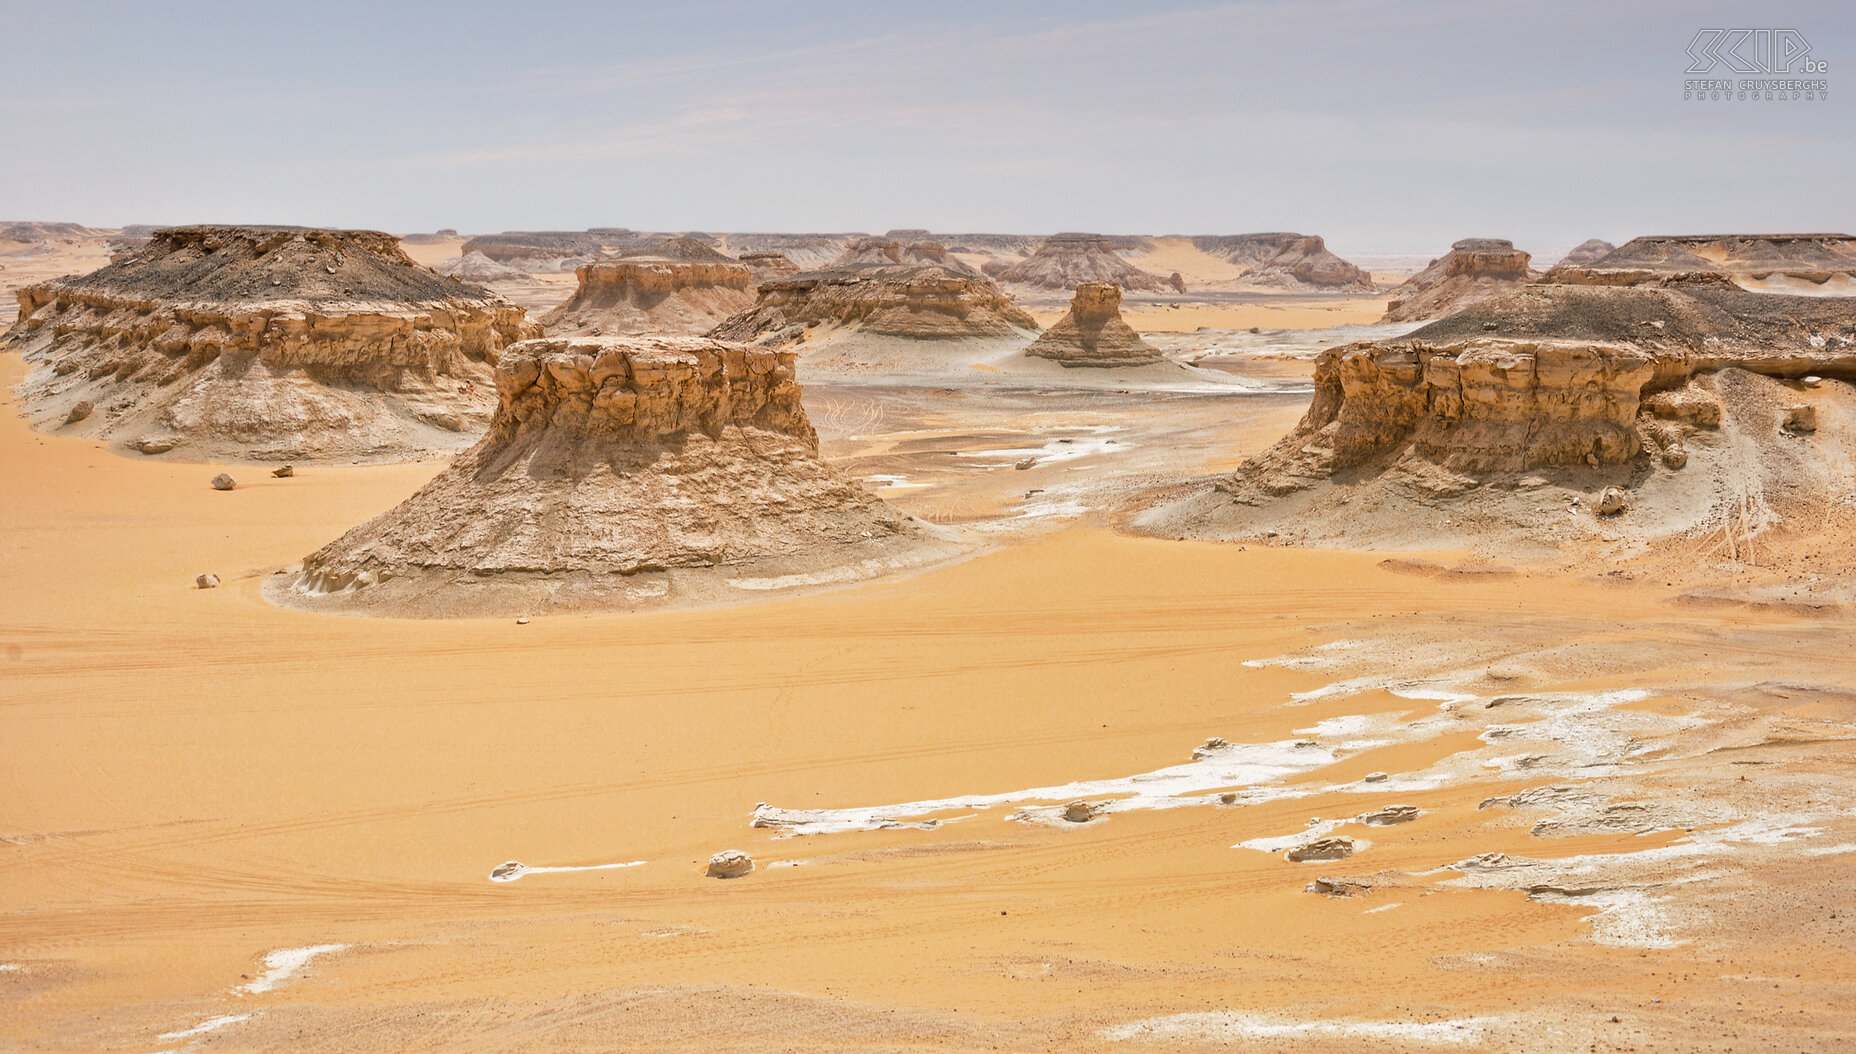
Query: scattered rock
[206, 581]
[1613, 501]
[1338, 887]
[224, 481]
[730, 863]
[1374, 777]
[1228, 798]
[522, 620]
[1390, 815]
[1083, 811]
[1025, 463]
[506, 871]
[1321, 849]
[79, 411]
[153, 445]
[1800, 418]
[284, 472]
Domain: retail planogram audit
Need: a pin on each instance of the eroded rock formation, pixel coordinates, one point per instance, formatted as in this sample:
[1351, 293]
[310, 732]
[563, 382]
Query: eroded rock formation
[766, 265]
[916, 301]
[686, 293]
[1588, 251]
[1092, 333]
[266, 342]
[1065, 261]
[1286, 260]
[477, 268]
[888, 250]
[1784, 262]
[1474, 269]
[620, 472]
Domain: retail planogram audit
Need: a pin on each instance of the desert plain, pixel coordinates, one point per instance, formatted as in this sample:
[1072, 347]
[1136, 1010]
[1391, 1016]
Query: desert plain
[1041, 796]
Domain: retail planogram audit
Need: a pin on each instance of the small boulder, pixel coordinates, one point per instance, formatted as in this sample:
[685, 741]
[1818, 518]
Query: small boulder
[224, 481]
[206, 581]
[1025, 463]
[1613, 501]
[1082, 811]
[730, 863]
[284, 472]
[154, 444]
[1375, 777]
[79, 412]
[508, 872]
[1800, 418]
[1390, 815]
[1322, 849]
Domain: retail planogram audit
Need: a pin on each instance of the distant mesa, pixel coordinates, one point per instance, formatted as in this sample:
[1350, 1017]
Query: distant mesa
[1812, 264]
[885, 251]
[1286, 260]
[555, 251]
[477, 268]
[268, 343]
[622, 472]
[677, 287]
[766, 264]
[918, 301]
[1065, 261]
[1589, 251]
[682, 247]
[1092, 333]
[38, 233]
[1474, 269]
[806, 251]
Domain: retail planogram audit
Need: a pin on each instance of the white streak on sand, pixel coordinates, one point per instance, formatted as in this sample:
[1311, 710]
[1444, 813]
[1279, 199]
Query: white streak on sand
[4, 967]
[510, 874]
[281, 964]
[206, 1026]
[1227, 1025]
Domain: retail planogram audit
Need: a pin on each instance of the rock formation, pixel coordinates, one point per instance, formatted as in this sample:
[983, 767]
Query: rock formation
[477, 268]
[881, 252]
[916, 301]
[730, 863]
[1092, 333]
[1065, 261]
[1287, 261]
[267, 343]
[1787, 262]
[682, 247]
[1588, 251]
[1474, 269]
[768, 265]
[689, 291]
[621, 472]
[807, 251]
[555, 250]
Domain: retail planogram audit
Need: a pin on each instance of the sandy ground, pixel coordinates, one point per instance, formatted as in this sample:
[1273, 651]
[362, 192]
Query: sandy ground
[1269, 312]
[226, 826]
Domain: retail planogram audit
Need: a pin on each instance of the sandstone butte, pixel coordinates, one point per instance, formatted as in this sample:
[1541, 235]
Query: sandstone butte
[265, 343]
[680, 286]
[1685, 389]
[1474, 269]
[921, 301]
[1065, 261]
[622, 472]
[1286, 260]
[1092, 333]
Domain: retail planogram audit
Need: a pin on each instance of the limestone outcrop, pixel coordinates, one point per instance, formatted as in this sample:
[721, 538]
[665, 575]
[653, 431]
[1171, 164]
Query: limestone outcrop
[545, 251]
[477, 268]
[620, 472]
[688, 292]
[766, 265]
[1286, 260]
[1065, 261]
[887, 251]
[1473, 270]
[1800, 263]
[914, 301]
[1092, 333]
[267, 343]
[1589, 251]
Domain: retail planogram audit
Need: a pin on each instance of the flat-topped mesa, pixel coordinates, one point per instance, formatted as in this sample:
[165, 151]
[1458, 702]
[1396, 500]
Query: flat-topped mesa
[1065, 261]
[887, 251]
[1092, 333]
[620, 472]
[265, 343]
[1784, 263]
[1474, 269]
[915, 301]
[554, 250]
[1588, 251]
[687, 293]
[766, 265]
[681, 247]
[1286, 260]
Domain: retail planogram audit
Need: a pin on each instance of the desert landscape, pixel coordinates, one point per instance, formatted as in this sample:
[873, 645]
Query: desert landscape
[907, 640]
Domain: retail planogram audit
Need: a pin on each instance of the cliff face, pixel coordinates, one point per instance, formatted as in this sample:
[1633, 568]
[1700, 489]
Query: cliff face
[922, 301]
[614, 470]
[266, 342]
[1474, 269]
[1065, 261]
[646, 295]
[1092, 333]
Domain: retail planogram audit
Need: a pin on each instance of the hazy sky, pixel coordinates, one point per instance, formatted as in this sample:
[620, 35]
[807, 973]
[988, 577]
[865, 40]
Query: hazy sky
[1384, 126]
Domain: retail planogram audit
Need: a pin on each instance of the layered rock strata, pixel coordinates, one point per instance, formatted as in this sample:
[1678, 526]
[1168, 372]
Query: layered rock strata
[622, 472]
[1286, 260]
[266, 342]
[1787, 262]
[915, 301]
[1065, 261]
[1092, 333]
[887, 251]
[1474, 269]
[677, 295]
